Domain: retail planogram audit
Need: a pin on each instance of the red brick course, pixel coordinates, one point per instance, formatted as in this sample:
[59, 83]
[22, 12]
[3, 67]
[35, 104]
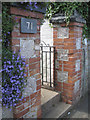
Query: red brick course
[67, 88]
[34, 100]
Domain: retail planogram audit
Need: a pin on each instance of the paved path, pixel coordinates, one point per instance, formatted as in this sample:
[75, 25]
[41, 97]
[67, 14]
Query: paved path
[80, 110]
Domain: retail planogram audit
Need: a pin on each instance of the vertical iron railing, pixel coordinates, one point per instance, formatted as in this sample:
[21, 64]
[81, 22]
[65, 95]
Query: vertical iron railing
[42, 62]
[54, 66]
[48, 65]
[50, 68]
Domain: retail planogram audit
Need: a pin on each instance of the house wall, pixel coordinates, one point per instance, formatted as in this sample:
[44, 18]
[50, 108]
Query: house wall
[46, 33]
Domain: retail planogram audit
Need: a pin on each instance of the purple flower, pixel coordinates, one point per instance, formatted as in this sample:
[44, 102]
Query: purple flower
[13, 79]
[21, 68]
[24, 74]
[23, 63]
[8, 32]
[0, 40]
[6, 106]
[30, 2]
[18, 58]
[8, 62]
[27, 65]
[11, 66]
[21, 2]
[3, 104]
[1, 71]
[13, 100]
[14, 52]
[4, 66]
[21, 73]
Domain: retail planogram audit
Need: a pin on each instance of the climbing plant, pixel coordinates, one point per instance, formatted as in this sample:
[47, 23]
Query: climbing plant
[65, 7]
[68, 8]
[13, 72]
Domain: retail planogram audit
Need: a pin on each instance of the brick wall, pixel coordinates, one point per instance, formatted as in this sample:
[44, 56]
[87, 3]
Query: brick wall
[28, 46]
[68, 42]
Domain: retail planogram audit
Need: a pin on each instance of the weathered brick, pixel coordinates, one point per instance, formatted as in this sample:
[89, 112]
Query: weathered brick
[23, 35]
[15, 42]
[18, 11]
[14, 34]
[38, 87]
[32, 60]
[37, 41]
[25, 99]
[18, 109]
[33, 95]
[34, 63]
[16, 48]
[34, 66]
[76, 24]
[39, 15]
[39, 112]
[21, 113]
[70, 65]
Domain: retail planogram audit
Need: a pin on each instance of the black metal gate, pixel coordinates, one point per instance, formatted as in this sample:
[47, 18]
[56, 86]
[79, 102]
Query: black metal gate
[47, 65]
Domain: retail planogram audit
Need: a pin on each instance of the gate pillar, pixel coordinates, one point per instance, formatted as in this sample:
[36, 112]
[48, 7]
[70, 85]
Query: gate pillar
[26, 40]
[68, 43]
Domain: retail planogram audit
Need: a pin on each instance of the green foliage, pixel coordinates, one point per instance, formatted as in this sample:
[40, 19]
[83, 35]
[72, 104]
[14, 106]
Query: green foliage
[7, 24]
[13, 80]
[67, 8]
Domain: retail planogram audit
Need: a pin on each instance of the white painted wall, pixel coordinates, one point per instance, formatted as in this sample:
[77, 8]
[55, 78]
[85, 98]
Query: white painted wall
[46, 36]
[46, 33]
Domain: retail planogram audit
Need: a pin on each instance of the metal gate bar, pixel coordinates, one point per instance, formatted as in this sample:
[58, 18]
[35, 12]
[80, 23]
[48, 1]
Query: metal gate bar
[46, 66]
[45, 51]
[42, 63]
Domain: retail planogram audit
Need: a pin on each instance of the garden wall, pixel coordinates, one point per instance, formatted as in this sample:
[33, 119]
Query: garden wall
[27, 44]
[68, 42]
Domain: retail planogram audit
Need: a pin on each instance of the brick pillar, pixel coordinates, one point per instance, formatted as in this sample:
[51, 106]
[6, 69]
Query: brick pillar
[68, 43]
[27, 44]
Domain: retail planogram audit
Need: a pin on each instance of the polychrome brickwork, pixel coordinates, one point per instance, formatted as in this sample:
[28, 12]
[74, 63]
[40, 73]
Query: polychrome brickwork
[28, 46]
[68, 60]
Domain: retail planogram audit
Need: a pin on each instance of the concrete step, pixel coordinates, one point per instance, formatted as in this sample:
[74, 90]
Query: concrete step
[48, 100]
[58, 111]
